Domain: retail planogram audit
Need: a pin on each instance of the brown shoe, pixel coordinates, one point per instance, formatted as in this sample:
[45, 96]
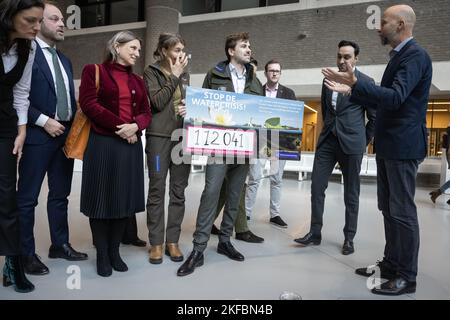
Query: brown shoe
[173, 251]
[156, 255]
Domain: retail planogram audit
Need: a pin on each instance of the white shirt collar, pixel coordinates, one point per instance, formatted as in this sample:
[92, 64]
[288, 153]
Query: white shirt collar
[234, 69]
[402, 44]
[270, 89]
[12, 51]
[43, 44]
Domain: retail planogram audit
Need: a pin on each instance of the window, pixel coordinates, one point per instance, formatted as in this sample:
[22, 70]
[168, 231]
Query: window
[438, 118]
[278, 2]
[191, 7]
[239, 4]
[96, 13]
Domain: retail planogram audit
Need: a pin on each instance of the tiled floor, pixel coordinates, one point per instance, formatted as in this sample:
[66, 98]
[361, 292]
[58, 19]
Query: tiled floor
[270, 268]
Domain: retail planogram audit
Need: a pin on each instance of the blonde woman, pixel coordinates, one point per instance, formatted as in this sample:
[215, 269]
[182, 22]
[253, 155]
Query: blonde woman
[112, 188]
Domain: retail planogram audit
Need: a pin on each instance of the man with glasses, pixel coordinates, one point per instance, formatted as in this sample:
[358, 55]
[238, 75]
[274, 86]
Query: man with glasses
[273, 89]
[52, 108]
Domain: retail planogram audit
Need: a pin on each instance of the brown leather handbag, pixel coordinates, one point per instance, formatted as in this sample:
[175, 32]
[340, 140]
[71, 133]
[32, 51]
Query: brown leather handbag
[78, 136]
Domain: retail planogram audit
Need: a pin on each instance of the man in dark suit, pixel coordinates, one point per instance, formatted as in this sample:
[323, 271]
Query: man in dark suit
[400, 141]
[52, 107]
[343, 139]
[273, 89]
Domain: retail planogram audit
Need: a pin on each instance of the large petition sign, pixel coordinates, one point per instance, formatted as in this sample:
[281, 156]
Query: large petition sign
[242, 125]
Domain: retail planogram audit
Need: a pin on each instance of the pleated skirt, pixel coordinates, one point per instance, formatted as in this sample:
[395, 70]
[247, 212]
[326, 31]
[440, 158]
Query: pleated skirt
[113, 178]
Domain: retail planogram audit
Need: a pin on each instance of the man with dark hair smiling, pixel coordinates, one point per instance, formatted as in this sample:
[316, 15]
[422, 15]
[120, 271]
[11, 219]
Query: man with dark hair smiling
[234, 75]
[343, 140]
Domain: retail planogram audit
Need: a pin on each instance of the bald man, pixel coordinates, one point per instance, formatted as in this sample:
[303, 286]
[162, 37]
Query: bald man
[400, 142]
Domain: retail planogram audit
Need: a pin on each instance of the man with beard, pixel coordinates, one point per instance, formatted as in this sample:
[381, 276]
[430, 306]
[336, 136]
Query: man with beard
[52, 108]
[400, 142]
[235, 75]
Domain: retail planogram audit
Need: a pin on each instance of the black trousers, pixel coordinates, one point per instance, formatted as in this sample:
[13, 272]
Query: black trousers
[9, 216]
[396, 183]
[326, 157]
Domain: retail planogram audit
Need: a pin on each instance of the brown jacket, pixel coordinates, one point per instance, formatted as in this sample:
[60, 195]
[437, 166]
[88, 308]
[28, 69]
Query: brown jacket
[161, 91]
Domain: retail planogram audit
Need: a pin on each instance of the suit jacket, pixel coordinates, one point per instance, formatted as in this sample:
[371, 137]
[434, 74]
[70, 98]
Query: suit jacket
[284, 92]
[402, 101]
[349, 119]
[43, 96]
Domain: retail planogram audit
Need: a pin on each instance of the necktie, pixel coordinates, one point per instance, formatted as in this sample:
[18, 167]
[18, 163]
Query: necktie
[62, 105]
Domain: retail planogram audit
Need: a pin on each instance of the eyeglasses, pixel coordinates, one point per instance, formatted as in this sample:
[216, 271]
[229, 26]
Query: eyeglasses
[55, 19]
[274, 71]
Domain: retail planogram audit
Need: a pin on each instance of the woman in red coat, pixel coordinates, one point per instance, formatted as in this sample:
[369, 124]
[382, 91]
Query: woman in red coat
[112, 189]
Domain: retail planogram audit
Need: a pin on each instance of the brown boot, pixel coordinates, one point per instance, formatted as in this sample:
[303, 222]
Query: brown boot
[434, 194]
[156, 255]
[173, 251]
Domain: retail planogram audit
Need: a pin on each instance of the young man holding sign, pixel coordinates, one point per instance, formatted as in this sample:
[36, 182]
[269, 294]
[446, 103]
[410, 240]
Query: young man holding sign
[234, 75]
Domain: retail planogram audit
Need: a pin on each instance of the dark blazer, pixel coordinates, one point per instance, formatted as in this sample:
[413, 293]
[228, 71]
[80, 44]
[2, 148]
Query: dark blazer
[402, 102]
[349, 118]
[43, 96]
[284, 92]
[103, 109]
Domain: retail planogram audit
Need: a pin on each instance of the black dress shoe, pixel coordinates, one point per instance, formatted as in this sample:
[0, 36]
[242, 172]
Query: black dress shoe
[386, 272]
[348, 248]
[33, 265]
[308, 239]
[226, 248]
[66, 252]
[215, 230]
[248, 236]
[194, 260]
[136, 242]
[395, 287]
[277, 221]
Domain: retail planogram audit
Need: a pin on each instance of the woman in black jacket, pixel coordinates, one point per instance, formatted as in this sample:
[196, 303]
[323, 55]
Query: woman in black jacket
[19, 24]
